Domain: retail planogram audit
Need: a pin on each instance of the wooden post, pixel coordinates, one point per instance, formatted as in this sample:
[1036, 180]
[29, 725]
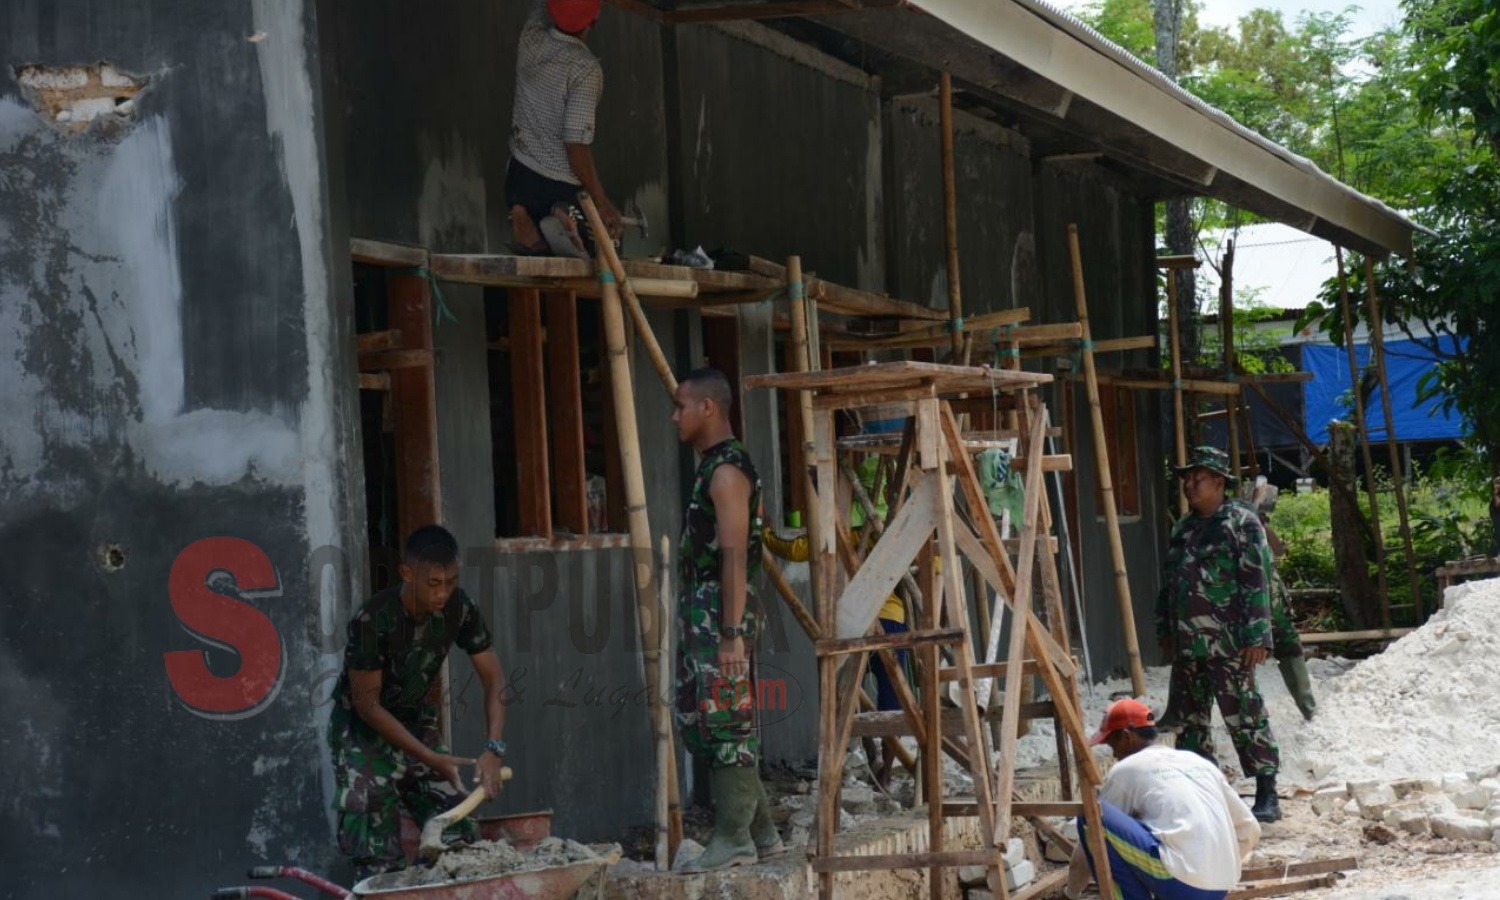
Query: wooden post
[529, 401]
[830, 756]
[1364, 439]
[652, 629]
[1231, 362]
[1377, 351]
[570, 507]
[1106, 484]
[1177, 421]
[950, 212]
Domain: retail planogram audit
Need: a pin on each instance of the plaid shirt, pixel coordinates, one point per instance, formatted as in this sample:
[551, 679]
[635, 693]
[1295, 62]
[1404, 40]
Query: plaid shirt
[558, 85]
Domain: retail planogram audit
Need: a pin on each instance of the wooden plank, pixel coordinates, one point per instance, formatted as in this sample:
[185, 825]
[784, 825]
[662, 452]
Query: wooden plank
[503, 270]
[529, 405]
[374, 381]
[849, 301]
[904, 535]
[386, 253]
[945, 859]
[903, 373]
[1373, 634]
[417, 358]
[897, 641]
[1280, 888]
[843, 400]
[985, 670]
[1048, 885]
[1292, 870]
[1055, 462]
[1019, 808]
[931, 335]
[570, 505]
[894, 723]
[1183, 261]
[376, 341]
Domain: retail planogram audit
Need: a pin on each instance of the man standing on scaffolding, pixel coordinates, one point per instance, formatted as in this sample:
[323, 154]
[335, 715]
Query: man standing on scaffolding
[558, 85]
[717, 556]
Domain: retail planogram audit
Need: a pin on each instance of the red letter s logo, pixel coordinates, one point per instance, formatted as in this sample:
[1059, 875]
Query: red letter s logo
[226, 622]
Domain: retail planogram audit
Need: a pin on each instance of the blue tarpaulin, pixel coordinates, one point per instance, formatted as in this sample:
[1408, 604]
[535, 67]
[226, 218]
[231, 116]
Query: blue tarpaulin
[1405, 364]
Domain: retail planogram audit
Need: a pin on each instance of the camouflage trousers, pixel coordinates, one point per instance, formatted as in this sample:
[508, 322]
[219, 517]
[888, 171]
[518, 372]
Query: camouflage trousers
[715, 714]
[1285, 642]
[1232, 684]
[373, 782]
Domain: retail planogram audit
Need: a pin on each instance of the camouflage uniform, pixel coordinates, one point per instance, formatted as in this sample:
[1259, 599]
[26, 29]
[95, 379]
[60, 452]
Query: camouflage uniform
[373, 779]
[716, 714]
[1215, 601]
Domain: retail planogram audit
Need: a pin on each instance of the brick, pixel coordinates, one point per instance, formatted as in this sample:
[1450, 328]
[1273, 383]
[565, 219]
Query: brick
[1020, 875]
[1375, 801]
[1329, 799]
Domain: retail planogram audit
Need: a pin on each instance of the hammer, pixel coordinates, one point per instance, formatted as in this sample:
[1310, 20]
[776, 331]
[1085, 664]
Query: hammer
[432, 833]
[635, 218]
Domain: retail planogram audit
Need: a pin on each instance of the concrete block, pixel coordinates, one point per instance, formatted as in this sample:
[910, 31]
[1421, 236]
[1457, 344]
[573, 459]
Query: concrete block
[1462, 828]
[1475, 796]
[1412, 820]
[1373, 802]
[1351, 808]
[1453, 782]
[1329, 799]
[979, 894]
[1015, 852]
[858, 799]
[1405, 787]
[972, 876]
[1020, 875]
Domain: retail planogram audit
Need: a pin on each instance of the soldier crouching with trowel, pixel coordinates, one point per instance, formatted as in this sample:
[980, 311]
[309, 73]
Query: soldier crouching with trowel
[387, 749]
[718, 552]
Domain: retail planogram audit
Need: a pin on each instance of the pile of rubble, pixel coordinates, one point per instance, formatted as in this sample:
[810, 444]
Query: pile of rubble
[1019, 872]
[1459, 806]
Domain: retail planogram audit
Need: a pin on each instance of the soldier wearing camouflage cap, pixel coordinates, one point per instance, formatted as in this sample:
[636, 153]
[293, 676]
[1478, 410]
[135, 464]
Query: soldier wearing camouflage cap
[717, 556]
[1213, 617]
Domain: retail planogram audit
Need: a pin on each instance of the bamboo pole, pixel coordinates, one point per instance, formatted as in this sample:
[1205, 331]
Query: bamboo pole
[950, 211]
[1177, 422]
[627, 429]
[802, 362]
[1364, 439]
[610, 259]
[1106, 484]
[1377, 349]
[1226, 329]
[662, 724]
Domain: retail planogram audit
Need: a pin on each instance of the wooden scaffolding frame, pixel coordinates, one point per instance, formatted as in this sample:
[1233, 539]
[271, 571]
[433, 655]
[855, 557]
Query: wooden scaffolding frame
[925, 523]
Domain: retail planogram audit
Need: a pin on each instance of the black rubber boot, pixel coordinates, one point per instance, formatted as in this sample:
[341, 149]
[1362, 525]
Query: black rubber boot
[1299, 684]
[1267, 807]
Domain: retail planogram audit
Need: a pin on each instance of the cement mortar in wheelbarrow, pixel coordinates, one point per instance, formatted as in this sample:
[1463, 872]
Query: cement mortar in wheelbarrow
[521, 830]
[494, 870]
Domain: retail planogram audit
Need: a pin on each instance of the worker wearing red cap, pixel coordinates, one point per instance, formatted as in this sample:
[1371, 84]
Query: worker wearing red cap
[558, 85]
[1174, 828]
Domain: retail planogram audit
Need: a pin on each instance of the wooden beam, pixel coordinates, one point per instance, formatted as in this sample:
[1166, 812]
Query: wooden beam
[946, 859]
[414, 404]
[386, 253]
[529, 405]
[1373, 634]
[396, 359]
[570, 507]
[1291, 870]
[374, 381]
[1280, 888]
[897, 641]
[1184, 261]
[377, 341]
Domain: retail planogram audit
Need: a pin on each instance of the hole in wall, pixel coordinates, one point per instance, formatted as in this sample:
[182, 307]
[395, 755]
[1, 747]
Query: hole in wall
[111, 557]
[71, 98]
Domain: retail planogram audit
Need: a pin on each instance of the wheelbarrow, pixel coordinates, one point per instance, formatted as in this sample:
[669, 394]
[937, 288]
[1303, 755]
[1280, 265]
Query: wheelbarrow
[546, 883]
[521, 830]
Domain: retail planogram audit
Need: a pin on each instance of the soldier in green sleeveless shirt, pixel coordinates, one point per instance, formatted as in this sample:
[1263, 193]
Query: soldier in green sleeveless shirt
[717, 556]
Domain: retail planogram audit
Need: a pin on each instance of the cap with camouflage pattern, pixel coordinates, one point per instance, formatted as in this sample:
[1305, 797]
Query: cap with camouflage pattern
[1210, 458]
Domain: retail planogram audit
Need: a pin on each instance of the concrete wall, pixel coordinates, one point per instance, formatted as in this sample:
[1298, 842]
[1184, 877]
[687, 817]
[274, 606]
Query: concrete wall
[175, 436]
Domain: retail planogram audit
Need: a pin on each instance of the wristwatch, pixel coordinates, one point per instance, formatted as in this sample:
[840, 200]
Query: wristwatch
[496, 747]
[731, 631]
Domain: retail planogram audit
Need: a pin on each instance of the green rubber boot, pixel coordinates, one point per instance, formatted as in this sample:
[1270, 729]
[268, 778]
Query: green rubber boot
[1299, 684]
[762, 826]
[735, 792]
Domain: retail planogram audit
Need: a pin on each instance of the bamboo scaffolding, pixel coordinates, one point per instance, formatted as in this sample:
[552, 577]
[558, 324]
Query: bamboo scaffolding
[1364, 438]
[1377, 354]
[1106, 484]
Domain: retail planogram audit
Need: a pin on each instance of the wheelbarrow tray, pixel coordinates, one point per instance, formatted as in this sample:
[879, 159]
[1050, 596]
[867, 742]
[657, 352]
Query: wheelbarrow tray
[545, 883]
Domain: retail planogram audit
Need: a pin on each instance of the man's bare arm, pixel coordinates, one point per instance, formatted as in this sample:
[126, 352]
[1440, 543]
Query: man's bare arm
[492, 680]
[364, 691]
[581, 161]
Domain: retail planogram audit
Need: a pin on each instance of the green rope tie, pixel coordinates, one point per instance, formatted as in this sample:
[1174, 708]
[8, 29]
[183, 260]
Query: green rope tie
[1009, 352]
[1085, 344]
[1231, 377]
[956, 324]
[606, 276]
[1176, 384]
[440, 308]
[794, 290]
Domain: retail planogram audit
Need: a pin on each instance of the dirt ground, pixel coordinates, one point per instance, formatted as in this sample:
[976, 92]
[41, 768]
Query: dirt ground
[1408, 868]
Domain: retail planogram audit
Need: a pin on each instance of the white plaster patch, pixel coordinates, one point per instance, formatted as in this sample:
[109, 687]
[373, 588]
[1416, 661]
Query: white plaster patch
[213, 446]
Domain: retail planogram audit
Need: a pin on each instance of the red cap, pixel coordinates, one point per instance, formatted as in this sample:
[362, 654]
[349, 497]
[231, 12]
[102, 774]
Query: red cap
[1125, 713]
[573, 16]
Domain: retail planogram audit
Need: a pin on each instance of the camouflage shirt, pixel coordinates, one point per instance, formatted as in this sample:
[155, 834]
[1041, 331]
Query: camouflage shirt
[1215, 592]
[409, 655]
[698, 556]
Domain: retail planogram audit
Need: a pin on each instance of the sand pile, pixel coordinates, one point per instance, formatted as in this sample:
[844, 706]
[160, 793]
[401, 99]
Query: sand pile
[1427, 706]
[486, 858]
